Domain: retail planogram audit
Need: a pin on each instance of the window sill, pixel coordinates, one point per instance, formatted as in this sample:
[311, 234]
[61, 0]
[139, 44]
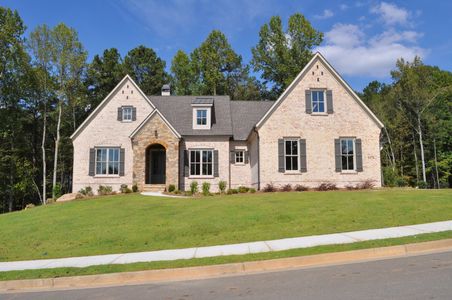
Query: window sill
[126, 121]
[107, 176]
[349, 172]
[319, 114]
[201, 177]
[239, 164]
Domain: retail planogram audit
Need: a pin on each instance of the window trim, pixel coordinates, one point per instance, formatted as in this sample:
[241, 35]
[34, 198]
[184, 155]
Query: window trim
[107, 162]
[208, 124]
[354, 154]
[242, 152]
[297, 171]
[190, 175]
[123, 110]
[325, 111]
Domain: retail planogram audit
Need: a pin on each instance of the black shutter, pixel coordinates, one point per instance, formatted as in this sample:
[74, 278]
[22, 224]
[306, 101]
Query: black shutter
[186, 164]
[134, 113]
[359, 155]
[247, 157]
[119, 113]
[308, 101]
[281, 167]
[329, 101]
[215, 164]
[303, 167]
[121, 161]
[232, 157]
[92, 161]
[337, 154]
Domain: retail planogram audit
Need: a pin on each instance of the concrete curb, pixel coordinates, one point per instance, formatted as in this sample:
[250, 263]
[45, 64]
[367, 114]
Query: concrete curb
[204, 272]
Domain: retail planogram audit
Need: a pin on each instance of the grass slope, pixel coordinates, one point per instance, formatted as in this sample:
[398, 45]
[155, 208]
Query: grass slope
[129, 223]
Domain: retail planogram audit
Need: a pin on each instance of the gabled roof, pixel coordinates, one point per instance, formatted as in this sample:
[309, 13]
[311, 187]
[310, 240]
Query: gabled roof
[179, 112]
[105, 101]
[245, 115]
[155, 111]
[347, 87]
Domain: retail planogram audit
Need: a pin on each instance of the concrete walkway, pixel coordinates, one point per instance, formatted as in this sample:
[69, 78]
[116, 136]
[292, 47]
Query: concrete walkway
[234, 249]
[160, 194]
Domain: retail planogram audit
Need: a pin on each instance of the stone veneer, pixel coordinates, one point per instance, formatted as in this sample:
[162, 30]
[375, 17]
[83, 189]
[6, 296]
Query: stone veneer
[147, 136]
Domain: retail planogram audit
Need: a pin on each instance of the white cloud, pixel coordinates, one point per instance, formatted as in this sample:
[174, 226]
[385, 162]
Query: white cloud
[355, 54]
[325, 15]
[391, 14]
[343, 6]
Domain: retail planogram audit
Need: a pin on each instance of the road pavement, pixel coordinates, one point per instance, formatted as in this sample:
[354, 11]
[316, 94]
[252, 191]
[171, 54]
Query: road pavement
[415, 277]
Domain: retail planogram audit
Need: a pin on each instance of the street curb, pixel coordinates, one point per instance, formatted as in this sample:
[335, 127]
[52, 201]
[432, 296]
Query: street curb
[203, 272]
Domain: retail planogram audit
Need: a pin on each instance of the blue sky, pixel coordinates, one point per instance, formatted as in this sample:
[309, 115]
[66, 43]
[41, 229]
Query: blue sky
[362, 38]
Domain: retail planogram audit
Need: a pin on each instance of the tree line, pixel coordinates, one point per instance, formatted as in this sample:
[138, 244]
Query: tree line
[47, 89]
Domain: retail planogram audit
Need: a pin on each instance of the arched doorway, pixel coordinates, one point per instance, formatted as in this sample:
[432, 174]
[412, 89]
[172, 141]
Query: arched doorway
[155, 164]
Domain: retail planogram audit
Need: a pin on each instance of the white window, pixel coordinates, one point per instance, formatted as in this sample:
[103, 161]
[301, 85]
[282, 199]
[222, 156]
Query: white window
[107, 161]
[127, 114]
[240, 157]
[201, 162]
[291, 155]
[348, 154]
[318, 101]
[201, 117]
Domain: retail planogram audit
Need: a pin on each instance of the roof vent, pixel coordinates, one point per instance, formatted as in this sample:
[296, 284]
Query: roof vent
[166, 90]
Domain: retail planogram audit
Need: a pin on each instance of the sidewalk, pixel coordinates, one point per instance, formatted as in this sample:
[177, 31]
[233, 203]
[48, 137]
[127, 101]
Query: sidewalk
[234, 249]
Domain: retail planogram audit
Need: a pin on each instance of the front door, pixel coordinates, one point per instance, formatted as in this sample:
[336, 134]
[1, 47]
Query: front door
[156, 165]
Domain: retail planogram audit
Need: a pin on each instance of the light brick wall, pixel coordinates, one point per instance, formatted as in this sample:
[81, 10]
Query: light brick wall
[348, 120]
[240, 173]
[210, 142]
[105, 130]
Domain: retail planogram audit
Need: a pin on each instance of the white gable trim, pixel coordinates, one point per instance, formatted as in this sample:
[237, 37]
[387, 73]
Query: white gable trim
[300, 76]
[155, 111]
[105, 101]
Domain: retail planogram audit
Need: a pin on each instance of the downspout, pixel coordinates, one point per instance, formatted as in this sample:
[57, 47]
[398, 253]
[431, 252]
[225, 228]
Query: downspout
[229, 164]
[258, 160]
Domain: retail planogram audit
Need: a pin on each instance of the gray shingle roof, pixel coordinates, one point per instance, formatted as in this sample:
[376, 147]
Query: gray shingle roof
[245, 115]
[229, 118]
[199, 100]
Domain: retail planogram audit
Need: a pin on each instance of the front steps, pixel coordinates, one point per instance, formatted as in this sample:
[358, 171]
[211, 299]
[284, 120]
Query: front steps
[154, 188]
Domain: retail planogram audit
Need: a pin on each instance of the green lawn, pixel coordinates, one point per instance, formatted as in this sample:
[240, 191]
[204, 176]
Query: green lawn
[129, 223]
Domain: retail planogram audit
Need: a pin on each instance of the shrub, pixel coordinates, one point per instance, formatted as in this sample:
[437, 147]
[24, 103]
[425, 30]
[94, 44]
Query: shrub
[57, 190]
[87, 191]
[286, 188]
[194, 187]
[422, 185]
[351, 187]
[252, 190]
[300, 188]
[232, 191]
[243, 189]
[326, 186]
[171, 188]
[206, 188]
[135, 188]
[177, 192]
[366, 185]
[269, 188]
[222, 186]
[125, 189]
[105, 190]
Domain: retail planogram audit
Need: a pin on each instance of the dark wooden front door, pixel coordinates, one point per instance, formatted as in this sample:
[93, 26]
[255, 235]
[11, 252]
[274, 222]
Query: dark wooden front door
[155, 165]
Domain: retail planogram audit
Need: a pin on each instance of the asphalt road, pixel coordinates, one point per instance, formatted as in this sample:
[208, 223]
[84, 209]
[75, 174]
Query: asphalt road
[416, 277]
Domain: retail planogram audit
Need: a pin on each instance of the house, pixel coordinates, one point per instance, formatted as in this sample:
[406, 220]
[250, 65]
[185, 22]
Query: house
[317, 131]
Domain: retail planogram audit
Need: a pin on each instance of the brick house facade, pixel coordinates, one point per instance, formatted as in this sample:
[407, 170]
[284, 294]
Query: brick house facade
[317, 131]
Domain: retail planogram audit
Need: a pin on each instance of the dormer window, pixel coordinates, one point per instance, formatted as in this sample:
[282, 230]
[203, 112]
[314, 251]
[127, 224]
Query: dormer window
[202, 113]
[201, 117]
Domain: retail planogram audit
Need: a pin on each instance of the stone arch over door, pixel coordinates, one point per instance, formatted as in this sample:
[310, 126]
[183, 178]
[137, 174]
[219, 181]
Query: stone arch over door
[155, 167]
